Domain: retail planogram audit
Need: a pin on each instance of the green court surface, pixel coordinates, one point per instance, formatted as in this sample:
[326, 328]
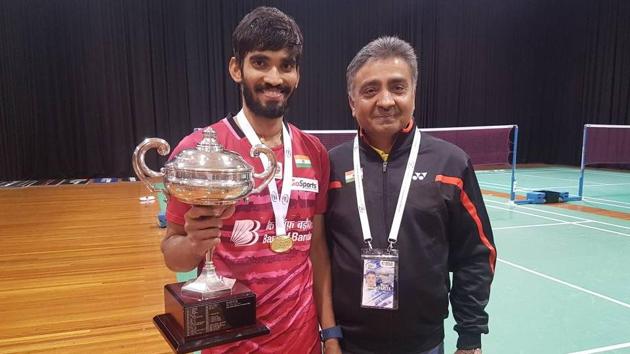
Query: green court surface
[562, 282]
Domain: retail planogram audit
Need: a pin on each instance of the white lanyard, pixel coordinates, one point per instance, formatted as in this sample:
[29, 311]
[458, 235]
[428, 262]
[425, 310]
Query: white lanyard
[280, 203]
[402, 197]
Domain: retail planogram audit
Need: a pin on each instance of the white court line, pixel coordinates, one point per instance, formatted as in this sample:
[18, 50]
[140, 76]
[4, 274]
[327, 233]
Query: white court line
[603, 349]
[605, 230]
[594, 200]
[610, 201]
[548, 277]
[500, 185]
[494, 186]
[548, 218]
[590, 200]
[490, 172]
[607, 184]
[540, 225]
[577, 217]
[565, 215]
[586, 200]
[530, 171]
[525, 213]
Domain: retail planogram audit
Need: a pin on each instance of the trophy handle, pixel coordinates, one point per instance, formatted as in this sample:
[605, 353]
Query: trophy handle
[139, 165]
[269, 172]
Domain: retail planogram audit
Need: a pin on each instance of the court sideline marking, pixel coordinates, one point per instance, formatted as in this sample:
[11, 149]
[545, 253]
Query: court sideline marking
[559, 220]
[559, 281]
[603, 349]
[540, 225]
[573, 286]
[608, 202]
[560, 214]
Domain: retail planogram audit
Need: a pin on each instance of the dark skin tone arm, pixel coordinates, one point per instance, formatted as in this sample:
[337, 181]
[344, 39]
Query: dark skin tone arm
[322, 282]
[184, 246]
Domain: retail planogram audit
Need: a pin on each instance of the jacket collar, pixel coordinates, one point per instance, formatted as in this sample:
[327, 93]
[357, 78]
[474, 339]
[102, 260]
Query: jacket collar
[402, 140]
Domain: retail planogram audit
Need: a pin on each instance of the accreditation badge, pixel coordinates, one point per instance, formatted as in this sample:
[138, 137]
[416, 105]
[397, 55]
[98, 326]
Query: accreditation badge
[379, 288]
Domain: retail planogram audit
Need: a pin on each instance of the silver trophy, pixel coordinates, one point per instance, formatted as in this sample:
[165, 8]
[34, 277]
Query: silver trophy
[206, 175]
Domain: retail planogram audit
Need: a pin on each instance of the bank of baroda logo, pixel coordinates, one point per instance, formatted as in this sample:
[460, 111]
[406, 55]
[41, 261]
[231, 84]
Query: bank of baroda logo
[245, 232]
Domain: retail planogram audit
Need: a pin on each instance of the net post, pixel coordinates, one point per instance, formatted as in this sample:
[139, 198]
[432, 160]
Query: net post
[514, 150]
[582, 163]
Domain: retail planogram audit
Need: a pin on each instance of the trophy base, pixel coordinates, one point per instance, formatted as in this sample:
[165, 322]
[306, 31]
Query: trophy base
[180, 344]
[193, 323]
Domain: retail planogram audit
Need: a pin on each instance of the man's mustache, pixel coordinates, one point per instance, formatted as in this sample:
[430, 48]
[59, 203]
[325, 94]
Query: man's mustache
[282, 88]
[384, 114]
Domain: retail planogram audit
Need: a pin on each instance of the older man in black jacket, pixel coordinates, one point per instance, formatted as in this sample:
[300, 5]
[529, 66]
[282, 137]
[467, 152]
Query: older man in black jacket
[407, 207]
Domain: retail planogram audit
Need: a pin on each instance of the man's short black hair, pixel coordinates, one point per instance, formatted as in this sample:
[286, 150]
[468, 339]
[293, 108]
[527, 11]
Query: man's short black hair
[267, 28]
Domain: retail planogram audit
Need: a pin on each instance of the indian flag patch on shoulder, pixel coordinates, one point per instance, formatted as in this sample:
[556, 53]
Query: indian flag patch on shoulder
[302, 161]
[349, 176]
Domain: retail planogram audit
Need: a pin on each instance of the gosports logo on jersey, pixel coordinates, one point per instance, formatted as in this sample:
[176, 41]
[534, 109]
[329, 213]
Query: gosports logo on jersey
[305, 184]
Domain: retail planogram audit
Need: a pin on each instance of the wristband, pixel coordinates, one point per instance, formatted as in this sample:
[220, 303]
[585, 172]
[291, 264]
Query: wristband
[332, 332]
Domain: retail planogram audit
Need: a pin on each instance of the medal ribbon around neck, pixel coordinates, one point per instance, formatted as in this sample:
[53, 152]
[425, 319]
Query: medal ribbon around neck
[402, 196]
[280, 203]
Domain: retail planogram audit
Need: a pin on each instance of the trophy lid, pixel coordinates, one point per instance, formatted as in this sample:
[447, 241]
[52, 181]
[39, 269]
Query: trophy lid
[208, 156]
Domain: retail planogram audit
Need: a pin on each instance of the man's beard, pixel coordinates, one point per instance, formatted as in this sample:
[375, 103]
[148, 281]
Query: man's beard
[272, 110]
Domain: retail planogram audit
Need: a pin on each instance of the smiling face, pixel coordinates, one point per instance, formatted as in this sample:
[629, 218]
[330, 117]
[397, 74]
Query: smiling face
[382, 99]
[268, 79]
[370, 280]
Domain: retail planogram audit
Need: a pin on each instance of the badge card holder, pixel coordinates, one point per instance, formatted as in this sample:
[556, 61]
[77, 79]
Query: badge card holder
[380, 278]
[379, 289]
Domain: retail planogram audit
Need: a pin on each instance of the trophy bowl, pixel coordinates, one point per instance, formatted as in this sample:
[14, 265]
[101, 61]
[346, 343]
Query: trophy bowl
[209, 310]
[205, 175]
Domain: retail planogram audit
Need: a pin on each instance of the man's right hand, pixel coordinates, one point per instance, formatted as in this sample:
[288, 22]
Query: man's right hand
[202, 225]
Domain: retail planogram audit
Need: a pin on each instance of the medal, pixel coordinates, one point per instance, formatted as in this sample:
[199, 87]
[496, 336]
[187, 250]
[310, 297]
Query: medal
[280, 202]
[281, 243]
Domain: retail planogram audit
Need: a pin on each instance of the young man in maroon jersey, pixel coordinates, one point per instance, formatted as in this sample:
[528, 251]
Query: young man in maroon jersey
[267, 47]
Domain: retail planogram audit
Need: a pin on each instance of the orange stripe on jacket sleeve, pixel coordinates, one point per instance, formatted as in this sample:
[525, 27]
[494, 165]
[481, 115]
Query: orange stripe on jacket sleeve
[472, 211]
[334, 185]
[450, 180]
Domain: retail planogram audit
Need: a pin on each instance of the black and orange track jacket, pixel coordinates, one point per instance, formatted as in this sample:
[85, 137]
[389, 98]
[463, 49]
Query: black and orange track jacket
[445, 228]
